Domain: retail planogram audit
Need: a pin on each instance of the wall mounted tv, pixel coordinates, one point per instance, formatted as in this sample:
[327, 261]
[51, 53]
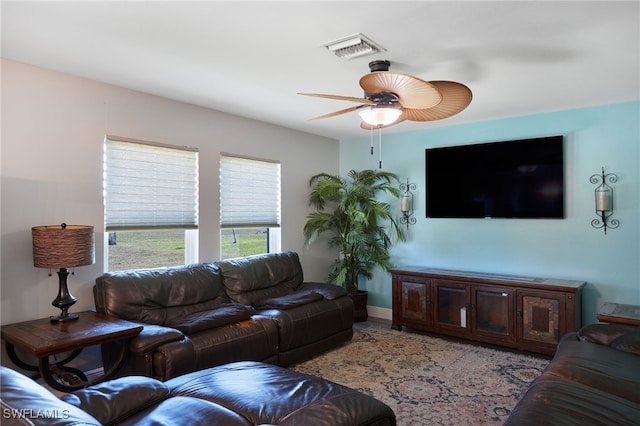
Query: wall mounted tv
[507, 179]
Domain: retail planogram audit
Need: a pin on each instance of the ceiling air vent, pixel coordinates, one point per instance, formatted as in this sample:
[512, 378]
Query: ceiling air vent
[353, 47]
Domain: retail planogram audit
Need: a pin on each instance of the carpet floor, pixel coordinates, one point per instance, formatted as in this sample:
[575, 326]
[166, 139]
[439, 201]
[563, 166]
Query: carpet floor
[429, 380]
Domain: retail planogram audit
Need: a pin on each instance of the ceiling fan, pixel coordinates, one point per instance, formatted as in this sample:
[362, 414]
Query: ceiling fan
[391, 98]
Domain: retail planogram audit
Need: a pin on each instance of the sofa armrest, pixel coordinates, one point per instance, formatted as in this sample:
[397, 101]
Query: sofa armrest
[229, 313]
[115, 400]
[618, 336]
[153, 336]
[327, 290]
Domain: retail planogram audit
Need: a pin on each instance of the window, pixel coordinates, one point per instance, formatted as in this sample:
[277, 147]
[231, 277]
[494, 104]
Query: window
[249, 206]
[151, 204]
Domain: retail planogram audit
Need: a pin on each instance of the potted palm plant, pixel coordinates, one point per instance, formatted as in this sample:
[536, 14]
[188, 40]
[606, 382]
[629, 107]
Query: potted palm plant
[362, 227]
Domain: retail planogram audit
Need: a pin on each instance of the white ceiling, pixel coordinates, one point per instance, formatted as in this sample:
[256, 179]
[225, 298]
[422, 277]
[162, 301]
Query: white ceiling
[251, 58]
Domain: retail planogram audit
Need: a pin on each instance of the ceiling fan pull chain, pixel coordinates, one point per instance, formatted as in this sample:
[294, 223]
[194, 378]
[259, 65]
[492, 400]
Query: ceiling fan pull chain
[371, 134]
[380, 148]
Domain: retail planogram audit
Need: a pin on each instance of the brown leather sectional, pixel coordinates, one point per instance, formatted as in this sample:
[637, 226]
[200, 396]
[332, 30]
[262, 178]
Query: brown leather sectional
[257, 308]
[196, 362]
[237, 394]
[593, 379]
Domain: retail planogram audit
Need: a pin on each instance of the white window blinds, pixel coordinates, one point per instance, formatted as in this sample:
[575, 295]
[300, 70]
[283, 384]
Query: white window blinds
[249, 192]
[149, 185]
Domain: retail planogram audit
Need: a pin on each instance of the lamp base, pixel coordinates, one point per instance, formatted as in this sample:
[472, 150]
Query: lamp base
[63, 317]
[65, 299]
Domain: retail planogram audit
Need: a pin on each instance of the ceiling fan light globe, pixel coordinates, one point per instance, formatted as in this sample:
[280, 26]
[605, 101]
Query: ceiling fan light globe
[380, 116]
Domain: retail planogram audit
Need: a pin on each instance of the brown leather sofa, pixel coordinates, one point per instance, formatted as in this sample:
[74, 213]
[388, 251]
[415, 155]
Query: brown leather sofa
[593, 379]
[192, 320]
[311, 317]
[243, 393]
[189, 321]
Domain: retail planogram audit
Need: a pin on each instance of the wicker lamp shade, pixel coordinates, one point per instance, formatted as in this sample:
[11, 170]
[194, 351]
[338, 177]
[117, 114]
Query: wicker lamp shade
[62, 246]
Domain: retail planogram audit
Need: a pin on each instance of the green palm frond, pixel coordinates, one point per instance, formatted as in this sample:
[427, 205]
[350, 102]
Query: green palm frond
[355, 221]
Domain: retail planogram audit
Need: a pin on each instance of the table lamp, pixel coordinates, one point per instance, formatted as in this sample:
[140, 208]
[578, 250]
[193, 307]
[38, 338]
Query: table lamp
[63, 246]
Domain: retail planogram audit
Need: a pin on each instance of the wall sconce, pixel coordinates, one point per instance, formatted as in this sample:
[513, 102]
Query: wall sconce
[63, 246]
[604, 201]
[406, 203]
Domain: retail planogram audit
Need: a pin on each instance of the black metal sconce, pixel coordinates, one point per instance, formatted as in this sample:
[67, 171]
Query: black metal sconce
[604, 201]
[406, 203]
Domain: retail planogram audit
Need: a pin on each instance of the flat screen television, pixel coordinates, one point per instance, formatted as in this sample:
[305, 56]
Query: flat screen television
[507, 179]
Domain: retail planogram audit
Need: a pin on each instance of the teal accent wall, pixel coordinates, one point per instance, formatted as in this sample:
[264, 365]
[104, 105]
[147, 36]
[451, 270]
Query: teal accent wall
[568, 248]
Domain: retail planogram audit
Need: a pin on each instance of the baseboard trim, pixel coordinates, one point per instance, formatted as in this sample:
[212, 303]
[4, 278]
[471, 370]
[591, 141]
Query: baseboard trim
[382, 313]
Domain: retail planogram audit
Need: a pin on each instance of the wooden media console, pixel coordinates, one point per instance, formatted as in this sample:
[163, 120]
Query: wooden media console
[525, 313]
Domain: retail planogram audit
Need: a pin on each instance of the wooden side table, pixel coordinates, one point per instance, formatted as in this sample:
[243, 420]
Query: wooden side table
[44, 338]
[618, 313]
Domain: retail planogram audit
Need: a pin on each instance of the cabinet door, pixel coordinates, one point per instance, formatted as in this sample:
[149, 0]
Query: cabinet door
[451, 306]
[411, 301]
[492, 313]
[541, 319]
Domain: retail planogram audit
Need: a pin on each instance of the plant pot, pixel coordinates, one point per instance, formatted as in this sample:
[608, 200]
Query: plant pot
[359, 298]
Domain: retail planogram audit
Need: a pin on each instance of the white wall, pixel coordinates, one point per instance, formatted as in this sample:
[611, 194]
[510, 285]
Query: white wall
[53, 126]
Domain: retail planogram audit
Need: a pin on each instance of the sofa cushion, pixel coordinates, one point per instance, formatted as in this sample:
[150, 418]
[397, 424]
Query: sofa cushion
[253, 279]
[271, 395]
[113, 401]
[289, 301]
[229, 313]
[160, 295]
[26, 402]
[182, 410]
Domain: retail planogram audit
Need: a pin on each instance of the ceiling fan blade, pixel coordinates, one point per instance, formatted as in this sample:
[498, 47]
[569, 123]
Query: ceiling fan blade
[412, 92]
[455, 98]
[333, 114]
[340, 98]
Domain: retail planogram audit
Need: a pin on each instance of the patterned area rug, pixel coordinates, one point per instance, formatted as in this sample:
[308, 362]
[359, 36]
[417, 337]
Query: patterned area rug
[428, 380]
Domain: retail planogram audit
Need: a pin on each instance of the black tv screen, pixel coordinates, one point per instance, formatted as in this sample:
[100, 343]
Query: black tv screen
[507, 179]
